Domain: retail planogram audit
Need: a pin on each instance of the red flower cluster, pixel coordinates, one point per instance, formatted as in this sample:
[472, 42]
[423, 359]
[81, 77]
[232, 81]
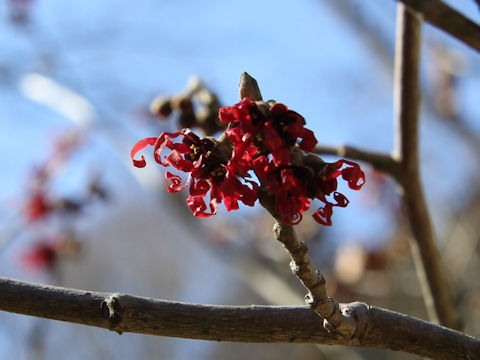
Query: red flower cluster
[262, 138]
[252, 131]
[209, 171]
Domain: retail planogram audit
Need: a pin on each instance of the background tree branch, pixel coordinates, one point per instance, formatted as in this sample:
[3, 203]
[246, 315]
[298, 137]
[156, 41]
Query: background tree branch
[262, 324]
[379, 161]
[436, 291]
[447, 19]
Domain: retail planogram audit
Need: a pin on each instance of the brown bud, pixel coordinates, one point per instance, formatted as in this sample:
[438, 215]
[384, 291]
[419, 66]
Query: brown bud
[248, 88]
[161, 106]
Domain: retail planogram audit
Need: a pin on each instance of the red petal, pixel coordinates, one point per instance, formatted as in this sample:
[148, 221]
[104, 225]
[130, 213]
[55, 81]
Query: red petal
[249, 196]
[278, 109]
[174, 182]
[271, 138]
[262, 167]
[354, 175]
[163, 141]
[142, 144]
[281, 157]
[176, 159]
[308, 141]
[197, 206]
[341, 199]
[324, 215]
[199, 188]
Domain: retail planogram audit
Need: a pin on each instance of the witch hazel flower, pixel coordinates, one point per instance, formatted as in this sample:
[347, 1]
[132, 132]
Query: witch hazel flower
[327, 184]
[209, 171]
[273, 130]
[288, 186]
[42, 255]
[265, 138]
[294, 186]
[37, 206]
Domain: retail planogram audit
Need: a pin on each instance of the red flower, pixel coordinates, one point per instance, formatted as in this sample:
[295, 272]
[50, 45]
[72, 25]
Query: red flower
[291, 185]
[277, 132]
[287, 186]
[209, 172]
[37, 206]
[327, 182]
[42, 255]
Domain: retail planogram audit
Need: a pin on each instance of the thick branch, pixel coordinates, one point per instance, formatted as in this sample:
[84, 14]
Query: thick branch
[447, 19]
[379, 161]
[262, 324]
[407, 105]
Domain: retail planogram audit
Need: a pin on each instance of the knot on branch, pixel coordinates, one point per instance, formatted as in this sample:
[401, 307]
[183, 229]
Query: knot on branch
[357, 313]
[327, 306]
[299, 269]
[112, 311]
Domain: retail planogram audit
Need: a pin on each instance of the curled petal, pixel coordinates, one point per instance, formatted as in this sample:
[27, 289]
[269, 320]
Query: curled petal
[180, 147]
[199, 188]
[332, 170]
[341, 199]
[198, 206]
[174, 182]
[249, 196]
[164, 140]
[177, 160]
[324, 215]
[296, 218]
[354, 175]
[290, 208]
[142, 144]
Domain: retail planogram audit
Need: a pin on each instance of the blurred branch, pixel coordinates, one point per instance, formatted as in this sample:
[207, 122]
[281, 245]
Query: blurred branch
[436, 291]
[364, 27]
[447, 19]
[261, 324]
[379, 161]
[378, 45]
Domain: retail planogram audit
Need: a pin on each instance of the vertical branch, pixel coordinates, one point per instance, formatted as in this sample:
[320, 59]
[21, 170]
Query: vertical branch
[435, 289]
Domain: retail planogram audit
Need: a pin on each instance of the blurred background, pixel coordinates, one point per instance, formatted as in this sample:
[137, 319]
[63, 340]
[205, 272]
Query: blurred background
[76, 81]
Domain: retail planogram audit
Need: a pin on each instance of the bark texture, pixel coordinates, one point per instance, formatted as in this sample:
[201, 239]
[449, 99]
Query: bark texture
[261, 324]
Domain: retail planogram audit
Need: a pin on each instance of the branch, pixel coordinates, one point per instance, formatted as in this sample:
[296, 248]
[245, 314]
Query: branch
[328, 308]
[447, 19]
[407, 102]
[379, 161]
[261, 324]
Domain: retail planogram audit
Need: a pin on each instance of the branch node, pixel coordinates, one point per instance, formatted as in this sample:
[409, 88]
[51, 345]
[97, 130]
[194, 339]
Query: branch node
[358, 312]
[112, 311]
[299, 269]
